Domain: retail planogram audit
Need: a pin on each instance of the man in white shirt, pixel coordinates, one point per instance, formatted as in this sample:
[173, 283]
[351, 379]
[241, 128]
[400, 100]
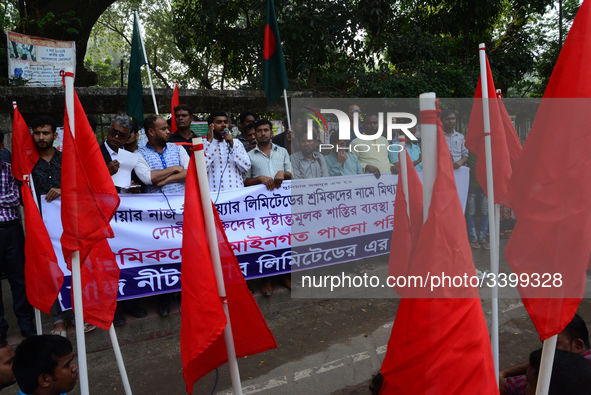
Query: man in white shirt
[225, 161]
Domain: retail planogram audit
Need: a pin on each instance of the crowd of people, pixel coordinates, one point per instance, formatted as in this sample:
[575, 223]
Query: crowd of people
[255, 157]
[43, 364]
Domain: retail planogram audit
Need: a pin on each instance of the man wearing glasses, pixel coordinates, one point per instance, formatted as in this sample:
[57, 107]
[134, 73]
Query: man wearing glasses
[119, 132]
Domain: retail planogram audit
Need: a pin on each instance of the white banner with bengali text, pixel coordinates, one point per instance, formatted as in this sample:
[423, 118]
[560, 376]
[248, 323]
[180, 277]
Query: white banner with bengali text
[304, 224]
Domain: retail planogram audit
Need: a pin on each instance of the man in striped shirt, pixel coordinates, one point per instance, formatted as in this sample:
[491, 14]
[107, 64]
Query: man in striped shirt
[270, 164]
[12, 254]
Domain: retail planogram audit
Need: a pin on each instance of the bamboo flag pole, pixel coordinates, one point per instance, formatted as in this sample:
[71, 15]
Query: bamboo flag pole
[119, 358]
[76, 278]
[493, 230]
[147, 66]
[212, 241]
[429, 148]
[287, 110]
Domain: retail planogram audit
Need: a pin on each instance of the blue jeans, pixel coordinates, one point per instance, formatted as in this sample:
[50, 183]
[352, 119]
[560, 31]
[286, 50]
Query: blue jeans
[473, 194]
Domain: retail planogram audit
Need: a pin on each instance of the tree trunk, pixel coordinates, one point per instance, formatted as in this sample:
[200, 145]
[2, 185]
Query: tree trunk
[80, 17]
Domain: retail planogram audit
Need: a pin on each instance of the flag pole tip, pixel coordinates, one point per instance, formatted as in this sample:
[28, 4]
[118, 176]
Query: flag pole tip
[482, 46]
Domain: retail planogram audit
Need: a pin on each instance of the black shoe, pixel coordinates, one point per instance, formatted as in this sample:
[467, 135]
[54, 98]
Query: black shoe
[136, 311]
[163, 309]
[29, 333]
[119, 319]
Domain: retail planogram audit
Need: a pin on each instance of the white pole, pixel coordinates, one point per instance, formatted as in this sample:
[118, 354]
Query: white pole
[76, 279]
[429, 149]
[119, 358]
[147, 66]
[217, 266]
[545, 372]
[492, 223]
[403, 173]
[287, 109]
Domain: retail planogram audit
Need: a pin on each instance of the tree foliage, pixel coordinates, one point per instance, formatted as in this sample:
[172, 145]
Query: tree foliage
[344, 47]
[113, 31]
[366, 47]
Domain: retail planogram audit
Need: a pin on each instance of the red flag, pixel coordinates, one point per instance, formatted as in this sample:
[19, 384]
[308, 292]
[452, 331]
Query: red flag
[202, 343]
[174, 103]
[550, 190]
[89, 200]
[406, 230]
[505, 145]
[43, 277]
[24, 152]
[432, 336]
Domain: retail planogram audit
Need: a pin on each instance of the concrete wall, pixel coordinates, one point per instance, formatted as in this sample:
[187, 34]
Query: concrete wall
[33, 102]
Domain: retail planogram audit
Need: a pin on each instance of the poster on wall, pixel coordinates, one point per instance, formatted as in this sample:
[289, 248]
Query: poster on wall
[37, 61]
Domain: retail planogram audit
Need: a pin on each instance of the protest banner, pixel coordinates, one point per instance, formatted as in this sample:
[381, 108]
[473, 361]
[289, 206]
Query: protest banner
[304, 224]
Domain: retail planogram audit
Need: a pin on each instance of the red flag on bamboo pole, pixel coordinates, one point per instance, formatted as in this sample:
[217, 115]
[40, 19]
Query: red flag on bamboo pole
[550, 190]
[505, 145]
[89, 201]
[174, 103]
[434, 335]
[202, 342]
[43, 277]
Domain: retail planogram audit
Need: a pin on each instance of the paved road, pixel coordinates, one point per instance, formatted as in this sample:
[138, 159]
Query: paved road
[329, 347]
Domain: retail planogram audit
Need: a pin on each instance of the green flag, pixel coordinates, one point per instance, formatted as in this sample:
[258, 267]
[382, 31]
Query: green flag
[274, 75]
[135, 91]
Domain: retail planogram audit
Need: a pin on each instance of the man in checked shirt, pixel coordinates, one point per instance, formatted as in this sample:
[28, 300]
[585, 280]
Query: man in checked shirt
[12, 254]
[574, 338]
[225, 161]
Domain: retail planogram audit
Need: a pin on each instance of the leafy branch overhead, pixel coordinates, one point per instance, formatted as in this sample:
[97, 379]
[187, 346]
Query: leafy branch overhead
[367, 48]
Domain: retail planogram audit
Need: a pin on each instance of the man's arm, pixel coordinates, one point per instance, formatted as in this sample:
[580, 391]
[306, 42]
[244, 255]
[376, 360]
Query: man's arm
[465, 154]
[280, 176]
[113, 166]
[142, 170]
[176, 177]
[267, 181]
[184, 158]
[461, 162]
[157, 176]
[374, 170]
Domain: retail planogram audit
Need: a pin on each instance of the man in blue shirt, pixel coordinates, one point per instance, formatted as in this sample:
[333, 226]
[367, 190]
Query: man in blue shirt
[339, 161]
[162, 166]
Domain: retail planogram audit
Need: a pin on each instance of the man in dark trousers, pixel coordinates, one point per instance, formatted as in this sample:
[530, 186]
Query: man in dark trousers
[12, 254]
